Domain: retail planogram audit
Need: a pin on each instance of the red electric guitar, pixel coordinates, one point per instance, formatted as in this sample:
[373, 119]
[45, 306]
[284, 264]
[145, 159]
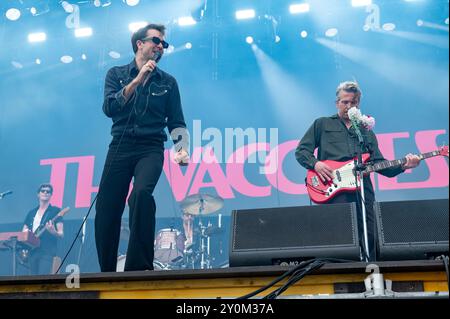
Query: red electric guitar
[344, 178]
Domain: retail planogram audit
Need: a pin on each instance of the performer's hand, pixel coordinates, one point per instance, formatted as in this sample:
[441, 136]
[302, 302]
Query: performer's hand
[146, 69]
[324, 171]
[181, 157]
[51, 228]
[412, 161]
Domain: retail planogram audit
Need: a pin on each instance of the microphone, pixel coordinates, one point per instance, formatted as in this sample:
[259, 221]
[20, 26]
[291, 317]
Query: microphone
[5, 193]
[355, 118]
[156, 56]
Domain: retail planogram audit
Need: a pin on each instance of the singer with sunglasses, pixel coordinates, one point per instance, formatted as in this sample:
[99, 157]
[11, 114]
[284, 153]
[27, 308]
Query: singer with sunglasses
[142, 100]
[40, 259]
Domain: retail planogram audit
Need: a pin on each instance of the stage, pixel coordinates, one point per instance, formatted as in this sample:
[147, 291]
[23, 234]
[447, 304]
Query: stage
[255, 94]
[410, 279]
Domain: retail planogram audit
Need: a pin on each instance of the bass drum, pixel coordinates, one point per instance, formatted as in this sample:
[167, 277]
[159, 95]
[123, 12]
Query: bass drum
[169, 246]
[156, 264]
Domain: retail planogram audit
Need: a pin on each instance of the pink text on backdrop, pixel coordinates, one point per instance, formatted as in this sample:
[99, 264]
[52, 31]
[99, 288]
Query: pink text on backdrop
[229, 179]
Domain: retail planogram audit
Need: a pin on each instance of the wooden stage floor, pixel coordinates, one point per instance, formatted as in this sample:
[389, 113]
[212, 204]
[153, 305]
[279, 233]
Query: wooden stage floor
[330, 281]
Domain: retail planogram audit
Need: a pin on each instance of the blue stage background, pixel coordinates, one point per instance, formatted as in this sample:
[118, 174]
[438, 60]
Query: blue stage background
[53, 110]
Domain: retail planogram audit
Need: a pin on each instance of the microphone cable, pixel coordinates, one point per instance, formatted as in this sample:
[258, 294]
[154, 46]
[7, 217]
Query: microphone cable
[96, 195]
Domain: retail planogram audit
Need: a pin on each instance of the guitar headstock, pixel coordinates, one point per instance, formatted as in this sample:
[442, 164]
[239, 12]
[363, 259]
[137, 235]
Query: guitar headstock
[443, 151]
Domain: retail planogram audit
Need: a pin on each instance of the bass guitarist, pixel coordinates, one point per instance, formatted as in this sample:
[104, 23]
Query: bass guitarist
[41, 258]
[336, 139]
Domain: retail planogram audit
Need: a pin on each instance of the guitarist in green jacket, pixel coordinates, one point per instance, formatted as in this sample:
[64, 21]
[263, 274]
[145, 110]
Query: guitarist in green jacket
[335, 139]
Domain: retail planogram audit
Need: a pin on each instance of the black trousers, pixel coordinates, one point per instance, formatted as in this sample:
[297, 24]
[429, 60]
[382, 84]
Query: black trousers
[40, 262]
[142, 160]
[370, 220]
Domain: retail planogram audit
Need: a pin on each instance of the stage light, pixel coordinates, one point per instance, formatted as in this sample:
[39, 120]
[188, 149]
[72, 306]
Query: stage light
[389, 27]
[105, 3]
[277, 39]
[299, 8]
[39, 8]
[361, 3]
[249, 40]
[17, 65]
[84, 57]
[188, 45]
[134, 26]
[199, 13]
[37, 37]
[66, 59]
[332, 32]
[446, 21]
[245, 14]
[114, 54]
[304, 34]
[431, 25]
[83, 32]
[131, 3]
[13, 14]
[185, 21]
[38, 61]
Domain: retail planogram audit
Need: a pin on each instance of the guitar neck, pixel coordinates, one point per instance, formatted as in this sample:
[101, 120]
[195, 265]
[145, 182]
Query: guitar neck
[398, 162]
[41, 230]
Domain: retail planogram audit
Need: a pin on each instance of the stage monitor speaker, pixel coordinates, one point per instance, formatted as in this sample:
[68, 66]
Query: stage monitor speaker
[289, 235]
[412, 229]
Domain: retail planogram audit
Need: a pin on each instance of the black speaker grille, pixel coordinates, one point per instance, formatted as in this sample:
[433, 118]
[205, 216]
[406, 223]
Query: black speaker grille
[290, 227]
[424, 221]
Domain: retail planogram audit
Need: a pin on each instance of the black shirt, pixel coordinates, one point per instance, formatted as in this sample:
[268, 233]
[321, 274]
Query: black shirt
[153, 106]
[338, 143]
[48, 242]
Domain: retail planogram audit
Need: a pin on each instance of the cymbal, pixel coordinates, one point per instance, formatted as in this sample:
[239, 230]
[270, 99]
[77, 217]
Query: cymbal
[201, 204]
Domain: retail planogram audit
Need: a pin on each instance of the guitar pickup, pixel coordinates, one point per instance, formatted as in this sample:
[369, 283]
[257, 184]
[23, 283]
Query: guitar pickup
[338, 175]
[315, 181]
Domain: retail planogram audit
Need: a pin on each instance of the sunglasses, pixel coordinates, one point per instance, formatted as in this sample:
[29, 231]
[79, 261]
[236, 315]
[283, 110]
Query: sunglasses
[47, 191]
[157, 41]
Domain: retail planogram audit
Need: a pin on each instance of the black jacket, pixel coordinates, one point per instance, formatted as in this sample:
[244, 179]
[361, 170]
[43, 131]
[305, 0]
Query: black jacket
[335, 142]
[48, 242]
[149, 110]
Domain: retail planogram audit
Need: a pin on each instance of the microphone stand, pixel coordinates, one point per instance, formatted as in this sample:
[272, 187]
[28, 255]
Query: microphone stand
[82, 238]
[359, 168]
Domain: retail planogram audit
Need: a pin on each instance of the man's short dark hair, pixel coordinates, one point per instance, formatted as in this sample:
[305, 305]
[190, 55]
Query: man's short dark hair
[142, 33]
[45, 185]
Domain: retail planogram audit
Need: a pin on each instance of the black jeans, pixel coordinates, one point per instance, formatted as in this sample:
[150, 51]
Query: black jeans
[370, 218]
[40, 262]
[142, 160]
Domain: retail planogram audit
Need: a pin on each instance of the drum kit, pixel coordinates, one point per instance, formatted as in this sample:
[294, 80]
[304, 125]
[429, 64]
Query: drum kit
[189, 249]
